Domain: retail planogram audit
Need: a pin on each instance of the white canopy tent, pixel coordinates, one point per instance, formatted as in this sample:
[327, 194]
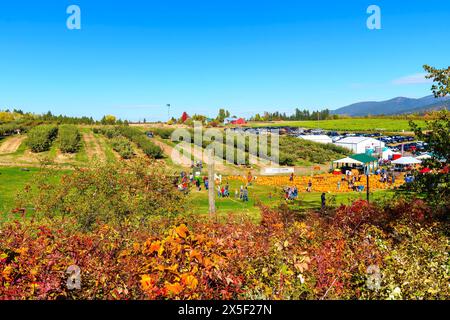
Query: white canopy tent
[424, 156]
[407, 161]
[347, 161]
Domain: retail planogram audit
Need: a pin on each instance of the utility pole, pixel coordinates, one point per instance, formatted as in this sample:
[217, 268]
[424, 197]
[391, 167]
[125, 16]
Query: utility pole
[212, 184]
[367, 176]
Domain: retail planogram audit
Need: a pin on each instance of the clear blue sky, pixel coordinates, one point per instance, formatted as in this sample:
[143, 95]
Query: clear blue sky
[133, 57]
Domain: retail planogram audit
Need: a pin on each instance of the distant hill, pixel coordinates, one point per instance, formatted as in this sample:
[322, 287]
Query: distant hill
[400, 105]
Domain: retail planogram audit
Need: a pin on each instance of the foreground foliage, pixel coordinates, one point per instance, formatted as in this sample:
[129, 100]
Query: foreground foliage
[332, 256]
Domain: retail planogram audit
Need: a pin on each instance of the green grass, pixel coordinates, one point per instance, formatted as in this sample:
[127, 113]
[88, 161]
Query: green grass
[261, 194]
[13, 180]
[109, 152]
[352, 124]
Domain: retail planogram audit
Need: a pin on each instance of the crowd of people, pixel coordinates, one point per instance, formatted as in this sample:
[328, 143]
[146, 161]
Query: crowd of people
[184, 183]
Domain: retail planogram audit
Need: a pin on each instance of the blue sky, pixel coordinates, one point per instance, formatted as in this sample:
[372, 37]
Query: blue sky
[133, 57]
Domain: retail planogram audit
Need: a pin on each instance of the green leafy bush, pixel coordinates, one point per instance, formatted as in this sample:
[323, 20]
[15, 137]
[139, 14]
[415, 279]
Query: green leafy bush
[164, 133]
[111, 193]
[294, 149]
[123, 147]
[69, 139]
[143, 142]
[40, 138]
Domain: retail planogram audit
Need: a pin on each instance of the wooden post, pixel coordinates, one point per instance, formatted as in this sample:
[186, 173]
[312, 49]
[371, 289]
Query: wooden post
[212, 184]
[367, 175]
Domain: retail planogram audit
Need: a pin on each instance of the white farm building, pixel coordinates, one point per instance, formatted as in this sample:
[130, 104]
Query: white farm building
[361, 144]
[316, 138]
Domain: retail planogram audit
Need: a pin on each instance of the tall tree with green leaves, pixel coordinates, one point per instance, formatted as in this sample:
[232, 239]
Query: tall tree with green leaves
[441, 80]
[436, 185]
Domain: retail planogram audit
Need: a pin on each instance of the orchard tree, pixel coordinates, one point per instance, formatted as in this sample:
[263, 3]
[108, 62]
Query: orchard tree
[109, 120]
[441, 79]
[223, 114]
[436, 185]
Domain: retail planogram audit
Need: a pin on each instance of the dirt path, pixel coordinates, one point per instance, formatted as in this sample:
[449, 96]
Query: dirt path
[10, 145]
[168, 150]
[94, 150]
[185, 161]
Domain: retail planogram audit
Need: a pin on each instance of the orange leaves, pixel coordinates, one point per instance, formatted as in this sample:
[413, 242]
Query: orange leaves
[154, 247]
[195, 254]
[173, 289]
[6, 273]
[184, 262]
[189, 281]
[182, 231]
[147, 283]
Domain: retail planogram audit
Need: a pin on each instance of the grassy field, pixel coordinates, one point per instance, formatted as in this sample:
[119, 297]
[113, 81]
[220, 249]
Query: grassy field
[13, 180]
[271, 197]
[353, 124]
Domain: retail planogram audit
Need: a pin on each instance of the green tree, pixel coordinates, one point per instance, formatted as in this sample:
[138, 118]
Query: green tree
[109, 120]
[436, 185]
[441, 79]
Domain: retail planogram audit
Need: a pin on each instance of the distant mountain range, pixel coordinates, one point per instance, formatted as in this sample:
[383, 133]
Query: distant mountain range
[394, 106]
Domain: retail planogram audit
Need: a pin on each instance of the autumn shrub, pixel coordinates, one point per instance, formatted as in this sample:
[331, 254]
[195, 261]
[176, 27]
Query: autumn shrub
[69, 138]
[106, 193]
[400, 254]
[175, 264]
[40, 138]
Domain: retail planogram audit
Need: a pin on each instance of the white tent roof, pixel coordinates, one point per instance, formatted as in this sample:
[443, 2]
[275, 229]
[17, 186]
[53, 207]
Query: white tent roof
[424, 156]
[407, 160]
[348, 160]
[315, 137]
[358, 139]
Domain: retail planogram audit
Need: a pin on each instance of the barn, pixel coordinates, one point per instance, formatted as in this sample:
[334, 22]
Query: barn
[361, 144]
[239, 121]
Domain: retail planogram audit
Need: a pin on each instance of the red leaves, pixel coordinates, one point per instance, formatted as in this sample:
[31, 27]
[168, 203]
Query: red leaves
[284, 257]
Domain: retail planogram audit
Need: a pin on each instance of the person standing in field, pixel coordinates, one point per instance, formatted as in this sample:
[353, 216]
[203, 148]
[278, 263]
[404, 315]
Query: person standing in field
[323, 200]
[245, 195]
[309, 188]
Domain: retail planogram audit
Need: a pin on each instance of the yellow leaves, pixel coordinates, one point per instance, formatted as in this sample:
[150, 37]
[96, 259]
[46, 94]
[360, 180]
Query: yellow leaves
[6, 273]
[147, 282]
[34, 287]
[189, 281]
[22, 251]
[182, 231]
[173, 288]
